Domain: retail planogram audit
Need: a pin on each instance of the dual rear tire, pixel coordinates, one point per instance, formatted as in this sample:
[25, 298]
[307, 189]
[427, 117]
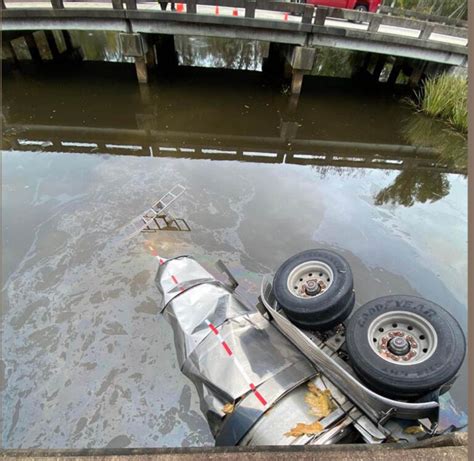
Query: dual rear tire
[400, 346]
[405, 346]
[315, 289]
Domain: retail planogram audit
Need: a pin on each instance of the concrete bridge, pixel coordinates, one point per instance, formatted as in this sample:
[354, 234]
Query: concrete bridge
[293, 31]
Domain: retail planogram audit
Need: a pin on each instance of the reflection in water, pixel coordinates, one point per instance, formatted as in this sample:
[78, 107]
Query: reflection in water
[412, 186]
[88, 360]
[451, 145]
[423, 177]
[333, 156]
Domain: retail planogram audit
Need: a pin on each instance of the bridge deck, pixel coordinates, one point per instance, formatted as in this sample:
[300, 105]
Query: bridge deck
[280, 22]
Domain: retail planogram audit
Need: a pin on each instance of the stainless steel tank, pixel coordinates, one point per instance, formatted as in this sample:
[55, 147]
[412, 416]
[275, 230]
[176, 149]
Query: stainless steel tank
[255, 386]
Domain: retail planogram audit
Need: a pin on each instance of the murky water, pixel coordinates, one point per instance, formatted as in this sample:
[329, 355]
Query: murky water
[88, 362]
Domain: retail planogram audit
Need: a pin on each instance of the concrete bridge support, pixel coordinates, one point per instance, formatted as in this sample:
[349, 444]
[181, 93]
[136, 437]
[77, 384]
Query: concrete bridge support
[289, 61]
[379, 66]
[46, 44]
[301, 60]
[135, 46]
[38, 46]
[417, 73]
[71, 51]
[395, 72]
[8, 55]
[25, 49]
[149, 51]
[370, 67]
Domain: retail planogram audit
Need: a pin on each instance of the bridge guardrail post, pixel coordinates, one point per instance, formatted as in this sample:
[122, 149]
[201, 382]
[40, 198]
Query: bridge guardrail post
[426, 32]
[131, 4]
[321, 13]
[375, 23]
[117, 4]
[250, 6]
[57, 4]
[308, 14]
[191, 6]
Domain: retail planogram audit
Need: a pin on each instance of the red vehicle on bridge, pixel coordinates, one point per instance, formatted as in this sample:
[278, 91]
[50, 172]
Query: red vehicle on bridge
[361, 5]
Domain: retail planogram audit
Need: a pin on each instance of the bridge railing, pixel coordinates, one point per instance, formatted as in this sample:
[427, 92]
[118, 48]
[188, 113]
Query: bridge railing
[317, 17]
[376, 20]
[400, 12]
[306, 12]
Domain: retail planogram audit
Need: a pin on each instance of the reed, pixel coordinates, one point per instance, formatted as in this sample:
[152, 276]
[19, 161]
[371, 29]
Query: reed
[445, 97]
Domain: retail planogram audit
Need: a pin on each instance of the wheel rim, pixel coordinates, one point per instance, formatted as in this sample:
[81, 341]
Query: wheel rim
[402, 337]
[310, 279]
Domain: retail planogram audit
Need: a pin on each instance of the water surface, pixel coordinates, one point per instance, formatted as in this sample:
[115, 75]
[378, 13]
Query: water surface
[88, 361]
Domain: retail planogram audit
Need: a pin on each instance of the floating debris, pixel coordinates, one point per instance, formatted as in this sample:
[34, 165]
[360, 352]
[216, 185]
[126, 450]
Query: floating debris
[319, 401]
[228, 408]
[305, 429]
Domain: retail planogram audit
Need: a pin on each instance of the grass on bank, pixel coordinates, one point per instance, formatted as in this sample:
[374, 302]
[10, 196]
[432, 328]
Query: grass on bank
[445, 97]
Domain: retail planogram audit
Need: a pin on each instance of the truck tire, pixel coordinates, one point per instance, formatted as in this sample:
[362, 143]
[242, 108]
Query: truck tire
[315, 289]
[404, 346]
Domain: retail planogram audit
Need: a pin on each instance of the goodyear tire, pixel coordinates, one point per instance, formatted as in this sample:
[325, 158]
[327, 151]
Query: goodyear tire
[315, 289]
[404, 346]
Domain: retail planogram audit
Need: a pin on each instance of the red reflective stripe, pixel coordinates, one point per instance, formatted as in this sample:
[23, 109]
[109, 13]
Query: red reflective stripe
[257, 394]
[227, 348]
[213, 328]
[260, 397]
[175, 280]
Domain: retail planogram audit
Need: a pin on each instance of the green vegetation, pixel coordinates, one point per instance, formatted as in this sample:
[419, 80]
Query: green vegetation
[333, 62]
[445, 97]
[451, 8]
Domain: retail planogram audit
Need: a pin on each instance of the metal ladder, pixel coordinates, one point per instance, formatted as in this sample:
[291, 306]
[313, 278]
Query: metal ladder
[143, 221]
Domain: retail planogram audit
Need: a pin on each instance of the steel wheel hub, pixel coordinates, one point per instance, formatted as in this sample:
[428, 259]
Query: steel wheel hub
[402, 337]
[310, 279]
[399, 346]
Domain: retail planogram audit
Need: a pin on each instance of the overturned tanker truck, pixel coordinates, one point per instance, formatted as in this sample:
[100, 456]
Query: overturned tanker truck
[294, 371]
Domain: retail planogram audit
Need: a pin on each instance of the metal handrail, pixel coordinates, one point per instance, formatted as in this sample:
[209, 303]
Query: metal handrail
[309, 14]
